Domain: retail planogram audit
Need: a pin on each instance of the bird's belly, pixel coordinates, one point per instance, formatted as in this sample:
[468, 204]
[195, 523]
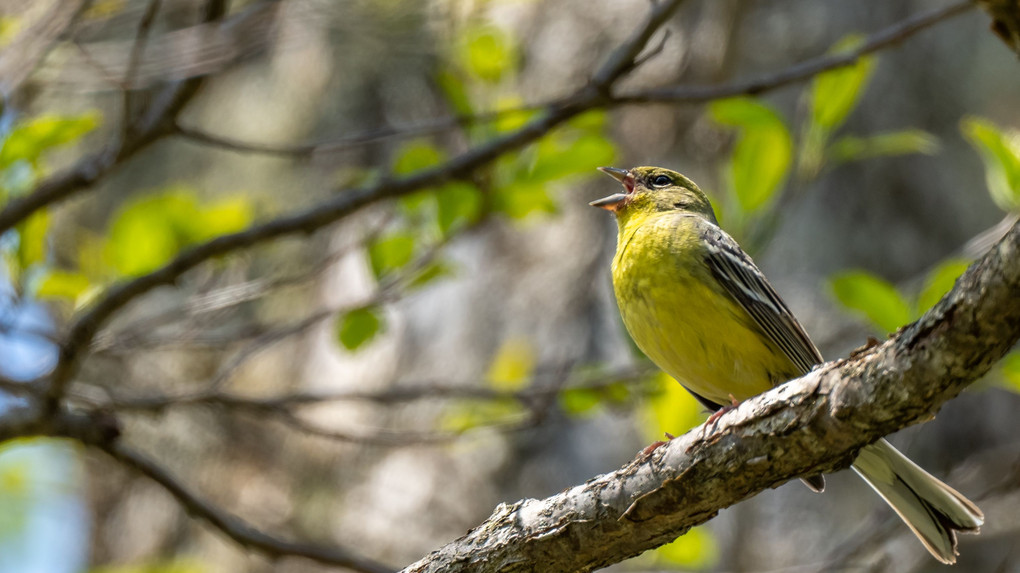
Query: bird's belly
[704, 340]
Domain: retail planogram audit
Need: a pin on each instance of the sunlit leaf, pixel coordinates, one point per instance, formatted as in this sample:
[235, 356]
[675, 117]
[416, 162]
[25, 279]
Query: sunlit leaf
[835, 93]
[222, 217]
[512, 365]
[671, 409]
[488, 53]
[560, 156]
[939, 282]
[32, 238]
[415, 156]
[1000, 152]
[696, 549]
[872, 297]
[33, 137]
[62, 284]
[908, 141]
[510, 114]
[458, 205]
[763, 152]
[357, 327]
[391, 252]
[142, 237]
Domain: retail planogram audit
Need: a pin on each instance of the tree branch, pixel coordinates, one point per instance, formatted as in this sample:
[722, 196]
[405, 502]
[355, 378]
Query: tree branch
[810, 425]
[84, 330]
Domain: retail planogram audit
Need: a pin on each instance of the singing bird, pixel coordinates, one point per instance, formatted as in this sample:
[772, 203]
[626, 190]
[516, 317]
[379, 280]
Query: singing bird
[697, 305]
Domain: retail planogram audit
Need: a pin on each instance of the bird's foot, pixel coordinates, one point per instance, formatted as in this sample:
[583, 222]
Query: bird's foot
[713, 420]
[643, 454]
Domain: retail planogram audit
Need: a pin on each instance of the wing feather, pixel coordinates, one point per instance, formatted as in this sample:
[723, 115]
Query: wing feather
[738, 274]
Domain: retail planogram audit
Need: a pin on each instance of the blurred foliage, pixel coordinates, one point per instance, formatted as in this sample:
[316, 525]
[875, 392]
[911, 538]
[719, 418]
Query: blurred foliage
[696, 549]
[357, 327]
[1000, 151]
[885, 306]
[512, 366]
[763, 152]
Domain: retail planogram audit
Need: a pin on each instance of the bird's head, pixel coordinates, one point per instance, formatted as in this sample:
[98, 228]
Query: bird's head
[654, 189]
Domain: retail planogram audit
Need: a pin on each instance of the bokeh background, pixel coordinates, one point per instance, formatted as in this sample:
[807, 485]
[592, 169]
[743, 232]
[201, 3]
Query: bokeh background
[460, 347]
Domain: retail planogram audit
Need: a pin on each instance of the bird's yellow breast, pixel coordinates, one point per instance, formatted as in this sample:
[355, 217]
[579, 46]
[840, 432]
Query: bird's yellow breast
[681, 319]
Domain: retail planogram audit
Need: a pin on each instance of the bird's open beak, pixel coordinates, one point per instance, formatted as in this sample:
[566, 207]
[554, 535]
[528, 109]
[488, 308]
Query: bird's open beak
[616, 200]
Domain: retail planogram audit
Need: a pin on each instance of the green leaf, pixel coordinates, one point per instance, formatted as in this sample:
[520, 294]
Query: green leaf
[577, 402]
[359, 326]
[873, 297]
[518, 200]
[696, 549]
[488, 53]
[763, 152]
[511, 115]
[62, 284]
[939, 282]
[174, 566]
[512, 365]
[142, 237]
[222, 217]
[908, 141]
[452, 86]
[31, 138]
[391, 253]
[432, 272]
[458, 205]
[415, 156]
[1000, 152]
[834, 94]
[562, 155]
[32, 238]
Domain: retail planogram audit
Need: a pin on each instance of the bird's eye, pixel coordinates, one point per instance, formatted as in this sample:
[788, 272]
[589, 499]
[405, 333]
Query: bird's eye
[661, 180]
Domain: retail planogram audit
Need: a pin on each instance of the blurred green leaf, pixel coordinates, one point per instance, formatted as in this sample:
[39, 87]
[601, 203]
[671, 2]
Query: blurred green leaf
[432, 272]
[511, 116]
[671, 409]
[415, 156]
[31, 138]
[1010, 369]
[32, 238]
[908, 141]
[1000, 151]
[763, 152]
[560, 155]
[142, 236]
[939, 282]
[452, 86]
[512, 365]
[835, 93]
[488, 53]
[577, 402]
[147, 232]
[391, 252]
[518, 200]
[359, 326]
[696, 549]
[873, 297]
[458, 204]
[57, 283]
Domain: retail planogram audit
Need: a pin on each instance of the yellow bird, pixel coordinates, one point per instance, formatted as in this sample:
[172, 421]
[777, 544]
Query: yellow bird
[698, 306]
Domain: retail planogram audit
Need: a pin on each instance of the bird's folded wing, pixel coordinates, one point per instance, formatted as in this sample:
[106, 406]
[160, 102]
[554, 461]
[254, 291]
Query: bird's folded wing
[738, 274]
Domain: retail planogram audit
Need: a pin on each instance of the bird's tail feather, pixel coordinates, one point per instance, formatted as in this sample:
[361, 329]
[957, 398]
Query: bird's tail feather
[933, 510]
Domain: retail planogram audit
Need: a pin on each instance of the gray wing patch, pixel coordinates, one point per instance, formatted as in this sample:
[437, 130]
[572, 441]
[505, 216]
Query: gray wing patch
[737, 273]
